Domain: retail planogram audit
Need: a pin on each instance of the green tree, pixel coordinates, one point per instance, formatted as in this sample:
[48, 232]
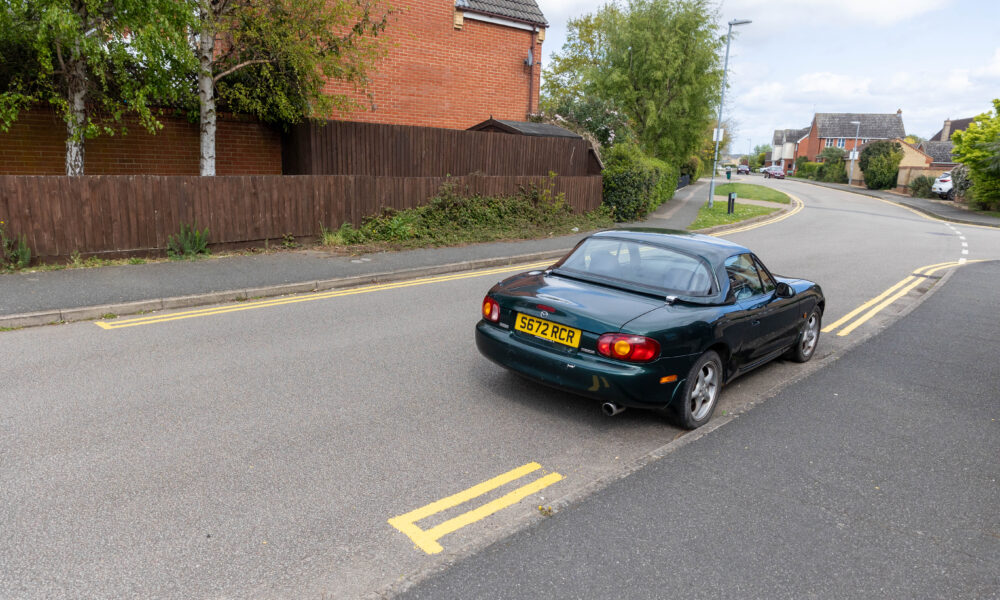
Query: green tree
[272, 58]
[659, 61]
[879, 161]
[978, 147]
[569, 74]
[94, 61]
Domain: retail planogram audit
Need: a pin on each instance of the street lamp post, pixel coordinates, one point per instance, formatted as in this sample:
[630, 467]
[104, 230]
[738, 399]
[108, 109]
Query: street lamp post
[722, 99]
[857, 155]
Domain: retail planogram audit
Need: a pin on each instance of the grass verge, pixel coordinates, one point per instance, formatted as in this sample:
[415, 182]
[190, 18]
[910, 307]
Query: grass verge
[451, 219]
[751, 191]
[711, 217]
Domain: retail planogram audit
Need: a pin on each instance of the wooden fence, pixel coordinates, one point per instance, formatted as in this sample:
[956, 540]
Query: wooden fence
[135, 214]
[348, 148]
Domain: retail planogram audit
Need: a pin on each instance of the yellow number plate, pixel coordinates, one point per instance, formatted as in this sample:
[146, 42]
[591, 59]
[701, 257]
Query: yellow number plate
[548, 330]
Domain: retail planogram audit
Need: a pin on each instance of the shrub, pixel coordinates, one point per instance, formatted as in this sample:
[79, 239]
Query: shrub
[807, 169]
[832, 171]
[960, 180]
[920, 187]
[188, 243]
[634, 183]
[984, 193]
[879, 161]
[14, 251]
[452, 218]
[692, 168]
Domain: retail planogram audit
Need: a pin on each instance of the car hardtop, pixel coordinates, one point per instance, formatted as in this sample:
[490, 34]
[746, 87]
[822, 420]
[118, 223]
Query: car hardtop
[711, 249]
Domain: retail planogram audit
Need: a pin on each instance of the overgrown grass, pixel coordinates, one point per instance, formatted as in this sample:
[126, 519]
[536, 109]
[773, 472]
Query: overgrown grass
[710, 217]
[452, 219]
[752, 192]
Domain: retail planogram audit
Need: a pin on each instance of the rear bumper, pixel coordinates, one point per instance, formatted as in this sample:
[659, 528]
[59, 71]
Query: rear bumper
[592, 376]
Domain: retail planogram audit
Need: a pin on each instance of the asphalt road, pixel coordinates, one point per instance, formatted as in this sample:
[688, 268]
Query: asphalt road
[873, 478]
[260, 453]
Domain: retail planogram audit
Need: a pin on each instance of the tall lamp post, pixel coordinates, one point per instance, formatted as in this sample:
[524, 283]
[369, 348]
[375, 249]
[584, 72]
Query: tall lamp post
[854, 151]
[722, 99]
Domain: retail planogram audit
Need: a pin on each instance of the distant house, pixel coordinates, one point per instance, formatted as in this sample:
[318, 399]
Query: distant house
[915, 162]
[784, 146]
[833, 130]
[940, 146]
[841, 130]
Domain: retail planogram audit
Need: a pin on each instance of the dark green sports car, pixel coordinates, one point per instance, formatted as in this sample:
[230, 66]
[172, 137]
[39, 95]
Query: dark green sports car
[649, 319]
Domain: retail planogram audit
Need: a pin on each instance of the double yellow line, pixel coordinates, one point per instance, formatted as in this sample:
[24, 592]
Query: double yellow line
[897, 291]
[427, 539]
[797, 206]
[228, 308]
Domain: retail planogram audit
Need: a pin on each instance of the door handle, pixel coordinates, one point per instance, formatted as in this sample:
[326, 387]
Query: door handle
[755, 322]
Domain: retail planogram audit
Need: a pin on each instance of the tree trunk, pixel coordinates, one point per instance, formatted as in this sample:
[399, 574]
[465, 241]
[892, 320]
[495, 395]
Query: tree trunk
[206, 96]
[77, 80]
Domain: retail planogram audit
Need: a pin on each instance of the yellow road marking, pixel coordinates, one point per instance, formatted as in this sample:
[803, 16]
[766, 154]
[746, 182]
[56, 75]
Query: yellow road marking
[878, 298]
[897, 291]
[426, 539]
[217, 310]
[797, 205]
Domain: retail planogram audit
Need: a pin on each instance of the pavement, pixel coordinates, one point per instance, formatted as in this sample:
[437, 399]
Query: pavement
[46, 297]
[874, 477]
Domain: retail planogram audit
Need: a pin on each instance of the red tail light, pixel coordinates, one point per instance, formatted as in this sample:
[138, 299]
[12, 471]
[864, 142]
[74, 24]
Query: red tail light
[633, 348]
[491, 310]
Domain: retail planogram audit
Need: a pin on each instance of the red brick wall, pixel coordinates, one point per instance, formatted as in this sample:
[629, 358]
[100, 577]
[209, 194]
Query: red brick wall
[36, 145]
[438, 76]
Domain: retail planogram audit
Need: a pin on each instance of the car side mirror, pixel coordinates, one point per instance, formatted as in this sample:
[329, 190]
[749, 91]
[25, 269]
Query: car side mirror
[783, 290]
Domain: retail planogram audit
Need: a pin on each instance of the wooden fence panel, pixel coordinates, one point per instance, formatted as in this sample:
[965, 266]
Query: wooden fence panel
[135, 213]
[349, 148]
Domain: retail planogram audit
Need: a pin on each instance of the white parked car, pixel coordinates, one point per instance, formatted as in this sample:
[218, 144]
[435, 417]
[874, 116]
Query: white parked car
[943, 186]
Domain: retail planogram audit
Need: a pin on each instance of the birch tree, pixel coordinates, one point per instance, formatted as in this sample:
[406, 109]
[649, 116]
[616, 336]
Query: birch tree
[94, 61]
[272, 58]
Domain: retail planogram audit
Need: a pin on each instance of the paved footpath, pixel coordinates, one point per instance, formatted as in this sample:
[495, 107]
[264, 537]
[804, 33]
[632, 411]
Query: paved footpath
[876, 477]
[74, 294]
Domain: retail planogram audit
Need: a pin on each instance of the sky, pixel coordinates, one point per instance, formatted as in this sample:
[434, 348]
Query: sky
[934, 59]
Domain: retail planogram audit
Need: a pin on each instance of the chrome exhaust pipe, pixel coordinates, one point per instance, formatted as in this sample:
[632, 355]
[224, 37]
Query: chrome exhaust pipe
[611, 408]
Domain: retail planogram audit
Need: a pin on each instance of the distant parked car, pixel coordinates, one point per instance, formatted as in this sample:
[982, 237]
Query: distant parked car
[944, 187]
[743, 170]
[775, 172]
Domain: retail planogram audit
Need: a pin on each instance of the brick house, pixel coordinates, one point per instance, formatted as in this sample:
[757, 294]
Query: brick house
[454, 63]
[836, 130]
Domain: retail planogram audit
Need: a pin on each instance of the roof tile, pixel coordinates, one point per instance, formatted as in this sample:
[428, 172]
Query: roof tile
[518, 10]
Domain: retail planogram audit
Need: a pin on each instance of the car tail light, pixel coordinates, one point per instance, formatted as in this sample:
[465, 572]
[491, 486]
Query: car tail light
[945, 180]
[633, 348]
[491, 310]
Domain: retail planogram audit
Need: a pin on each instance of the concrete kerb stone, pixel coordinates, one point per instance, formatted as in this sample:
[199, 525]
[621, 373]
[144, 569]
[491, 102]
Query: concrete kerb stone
[30, 319]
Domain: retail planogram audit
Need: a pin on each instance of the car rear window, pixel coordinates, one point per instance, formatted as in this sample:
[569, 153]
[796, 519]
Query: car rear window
[640, 264]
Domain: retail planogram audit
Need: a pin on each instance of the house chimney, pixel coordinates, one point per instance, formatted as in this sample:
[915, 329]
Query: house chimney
[899, 112]
[946, 131]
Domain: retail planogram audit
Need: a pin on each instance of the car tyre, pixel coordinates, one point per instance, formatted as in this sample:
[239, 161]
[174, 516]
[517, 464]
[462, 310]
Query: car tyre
[808, 339]
[700, 392]
[950, 195]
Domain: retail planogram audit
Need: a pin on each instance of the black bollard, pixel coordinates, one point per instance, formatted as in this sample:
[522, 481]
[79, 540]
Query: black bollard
[732, 203]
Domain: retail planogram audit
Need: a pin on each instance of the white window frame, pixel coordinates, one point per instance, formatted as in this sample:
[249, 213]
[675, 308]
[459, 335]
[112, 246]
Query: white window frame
[841, 142]
[829, 143]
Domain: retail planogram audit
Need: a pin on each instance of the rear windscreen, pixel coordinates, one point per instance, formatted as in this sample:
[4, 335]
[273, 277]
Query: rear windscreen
[641, 264]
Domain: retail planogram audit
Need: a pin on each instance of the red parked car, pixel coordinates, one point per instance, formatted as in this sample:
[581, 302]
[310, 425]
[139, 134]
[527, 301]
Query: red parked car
[775, 172]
